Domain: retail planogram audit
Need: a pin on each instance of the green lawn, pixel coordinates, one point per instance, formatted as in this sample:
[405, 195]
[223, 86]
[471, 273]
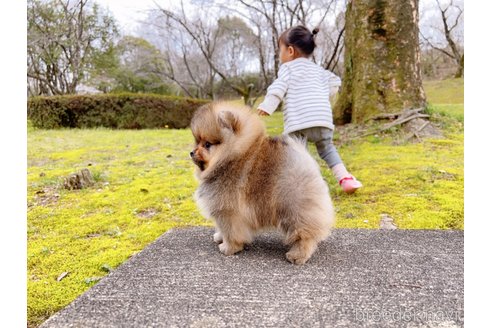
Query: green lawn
[445, 92]
[145, 184]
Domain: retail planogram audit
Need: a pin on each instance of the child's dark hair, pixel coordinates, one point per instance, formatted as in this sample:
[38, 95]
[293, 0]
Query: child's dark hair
[300, 38]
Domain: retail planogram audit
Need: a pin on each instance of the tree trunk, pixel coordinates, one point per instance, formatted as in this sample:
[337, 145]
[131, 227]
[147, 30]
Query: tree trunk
[461, 67]
[382, 60]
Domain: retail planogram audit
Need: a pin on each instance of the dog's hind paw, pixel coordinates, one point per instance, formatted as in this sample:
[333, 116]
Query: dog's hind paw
[301, 251]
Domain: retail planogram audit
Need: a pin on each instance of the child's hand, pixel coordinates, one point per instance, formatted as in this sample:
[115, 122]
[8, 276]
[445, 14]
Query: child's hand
[333, 95]
[333, 91]
[262, 113]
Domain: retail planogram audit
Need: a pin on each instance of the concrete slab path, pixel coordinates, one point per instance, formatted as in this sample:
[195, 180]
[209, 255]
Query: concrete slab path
[357, 278]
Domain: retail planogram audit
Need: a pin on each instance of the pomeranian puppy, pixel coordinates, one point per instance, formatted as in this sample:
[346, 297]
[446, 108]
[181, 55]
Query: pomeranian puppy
[251, 182]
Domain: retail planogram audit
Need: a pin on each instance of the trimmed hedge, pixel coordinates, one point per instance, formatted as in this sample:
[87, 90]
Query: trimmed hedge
[116, 111]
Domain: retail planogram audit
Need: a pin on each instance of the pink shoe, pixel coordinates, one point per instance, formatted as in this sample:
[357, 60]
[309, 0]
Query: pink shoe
[350, 184]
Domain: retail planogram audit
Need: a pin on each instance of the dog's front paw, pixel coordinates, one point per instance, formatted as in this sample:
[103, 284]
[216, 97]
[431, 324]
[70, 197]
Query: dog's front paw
[228, 249]
[296, 257]
[218, 237]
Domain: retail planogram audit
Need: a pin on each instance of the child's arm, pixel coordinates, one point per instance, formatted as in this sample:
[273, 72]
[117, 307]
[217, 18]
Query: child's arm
[275, 92]
[334, 82]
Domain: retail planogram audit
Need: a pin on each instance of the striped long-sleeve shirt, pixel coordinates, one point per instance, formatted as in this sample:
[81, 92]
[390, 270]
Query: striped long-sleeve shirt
[305, 89]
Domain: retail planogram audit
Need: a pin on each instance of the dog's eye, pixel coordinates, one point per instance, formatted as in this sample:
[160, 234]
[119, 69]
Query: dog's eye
[208, 145]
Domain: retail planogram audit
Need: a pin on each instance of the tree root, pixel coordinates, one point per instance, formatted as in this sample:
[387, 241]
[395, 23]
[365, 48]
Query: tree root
[399, 118]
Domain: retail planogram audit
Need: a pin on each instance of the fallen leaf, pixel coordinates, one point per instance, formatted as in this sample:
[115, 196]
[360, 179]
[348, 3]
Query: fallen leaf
[61, 276]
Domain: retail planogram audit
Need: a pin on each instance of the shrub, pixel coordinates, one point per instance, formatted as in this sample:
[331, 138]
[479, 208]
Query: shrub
[116, 111]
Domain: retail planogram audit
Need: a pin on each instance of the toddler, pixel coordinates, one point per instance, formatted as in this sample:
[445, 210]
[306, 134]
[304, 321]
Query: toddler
[305, 88]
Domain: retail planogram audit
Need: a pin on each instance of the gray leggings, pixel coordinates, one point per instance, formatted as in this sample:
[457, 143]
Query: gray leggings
[323, 138]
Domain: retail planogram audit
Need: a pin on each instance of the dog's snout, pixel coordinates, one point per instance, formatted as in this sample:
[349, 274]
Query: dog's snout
[192, 153]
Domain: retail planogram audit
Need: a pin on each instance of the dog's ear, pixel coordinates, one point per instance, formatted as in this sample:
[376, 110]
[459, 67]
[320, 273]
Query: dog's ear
[229, 121]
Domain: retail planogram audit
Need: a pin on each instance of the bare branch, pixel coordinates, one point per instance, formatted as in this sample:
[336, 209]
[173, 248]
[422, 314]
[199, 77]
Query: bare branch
[329, 65]
[457, 18]
[435, 47]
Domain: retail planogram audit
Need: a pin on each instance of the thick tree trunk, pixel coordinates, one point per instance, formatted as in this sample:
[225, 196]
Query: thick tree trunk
[382, 60]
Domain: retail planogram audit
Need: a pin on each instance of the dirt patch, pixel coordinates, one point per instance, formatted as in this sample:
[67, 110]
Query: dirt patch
[45, 196]
[387, 222]
[148, 213]
[93, 235]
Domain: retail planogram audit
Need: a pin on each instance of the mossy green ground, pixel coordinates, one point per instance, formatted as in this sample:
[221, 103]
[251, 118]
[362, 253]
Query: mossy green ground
[145, 184]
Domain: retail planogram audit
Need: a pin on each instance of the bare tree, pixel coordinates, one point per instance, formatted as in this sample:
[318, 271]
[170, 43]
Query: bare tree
[210, 41]
[63, 37]
[225, 44]
[270, 18]
[273, 17]
[449, 32]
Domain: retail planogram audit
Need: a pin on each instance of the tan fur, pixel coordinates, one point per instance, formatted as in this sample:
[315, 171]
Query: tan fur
[250, 182]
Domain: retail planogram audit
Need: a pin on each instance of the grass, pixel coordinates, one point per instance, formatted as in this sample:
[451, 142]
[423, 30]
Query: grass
[449, 91]
[419, 185]
[83, 232]
[144, 186]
